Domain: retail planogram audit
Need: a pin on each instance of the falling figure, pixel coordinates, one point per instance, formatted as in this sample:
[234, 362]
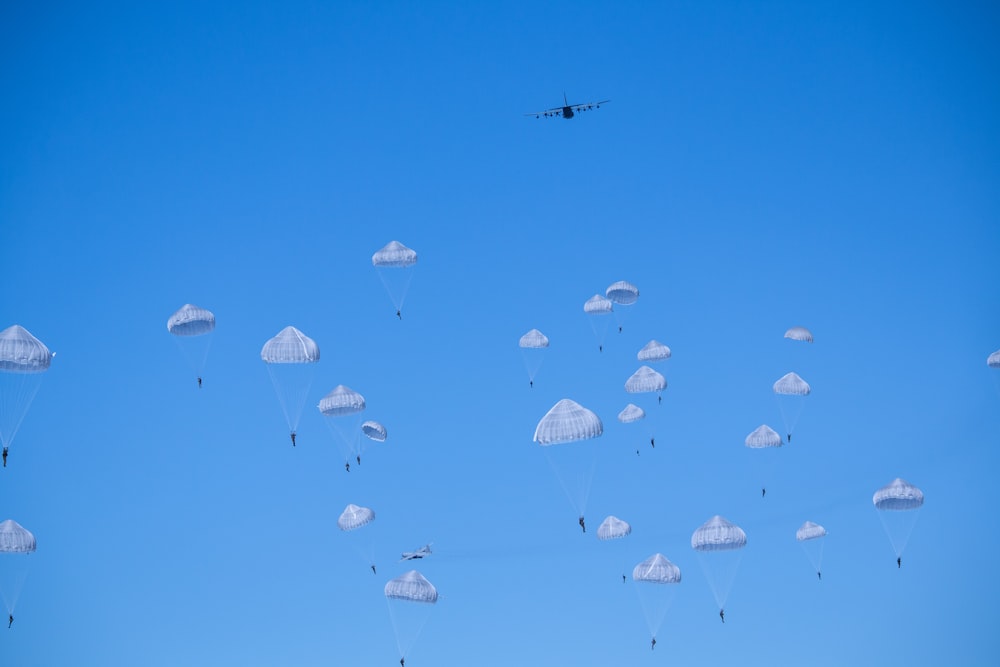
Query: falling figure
[652, 644]
[4, 457]
[652, 442]
[899, 562]
[819, 574]
[659, 400]
[400, 316]
[373, 570]
[293, 438]
[763, 492]
[789, 437]
[10, 620]
[347, 466]
[199, 383]
[359, 459]
[623, 579]
[722, 615]
[531, 383]
[583, 525]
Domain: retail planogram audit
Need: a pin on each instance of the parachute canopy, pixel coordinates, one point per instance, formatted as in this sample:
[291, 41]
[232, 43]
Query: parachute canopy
[395, 255]
[534, 339]
[898, 495]
[657, 570]
[631, 413]
[412, 587]
[654, 350]
[763, 436]
[993, 361]
[613, 528]
[567, 421]
[799, 333]
[809, 531]
[191, 320]
[20, 352]
[597, 305]
[290, 346]
[15, 539]
[622, 292]
[342, 401]
[374, 431]
[717, 534]
[354, 517]
[791, 384]
[645, 380]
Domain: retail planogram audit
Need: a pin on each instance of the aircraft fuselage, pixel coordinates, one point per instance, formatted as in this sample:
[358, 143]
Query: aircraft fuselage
[567, 112]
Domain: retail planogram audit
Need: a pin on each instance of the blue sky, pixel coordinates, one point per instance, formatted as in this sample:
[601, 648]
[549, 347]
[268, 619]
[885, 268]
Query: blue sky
[759, 166]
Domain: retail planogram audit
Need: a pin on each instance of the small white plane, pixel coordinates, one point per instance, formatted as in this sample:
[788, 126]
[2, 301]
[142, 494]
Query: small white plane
[422, 552]
[568, 110]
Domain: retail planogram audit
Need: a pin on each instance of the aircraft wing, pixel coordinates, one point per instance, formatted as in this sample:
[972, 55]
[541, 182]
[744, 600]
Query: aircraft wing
[587, 106]
[548, 112]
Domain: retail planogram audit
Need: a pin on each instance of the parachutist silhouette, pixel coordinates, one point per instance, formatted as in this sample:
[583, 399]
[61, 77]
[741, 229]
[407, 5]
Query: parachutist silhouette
[399, 315]
[623, 579]
[359, 459]
[402, 662]
[583, 525]
[789, 437]
[199, 383]
[899, 562]
[4, 457]
[619, 329]
[373, 570]
[819, 574]
[10, 620]
[722, 615]
[763, 492]
[637, 452]
[659, 400]
[293, 438]
[652, 644]
[600, 348]
[652, 442]
[347, 466]
[531, 383]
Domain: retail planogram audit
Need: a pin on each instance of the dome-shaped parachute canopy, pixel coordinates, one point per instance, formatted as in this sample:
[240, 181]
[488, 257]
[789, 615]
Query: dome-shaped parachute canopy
[354, 517]
[290, 346]
[763, 436]
[20, 352]
[597, 305]
[613, 528]
[191, 320]
[791, 384]
[654, 350]
[645, 380]
[993, 361]
[631, 413]
[809, 531]
[394, 254]
[15, 539]
[657, 570]
[412, 587]
[898, 495]
[534, 339]
[717, 534]
[374, 431]
[622, 292]
[567, 421]
[342, 401]
[799, 333]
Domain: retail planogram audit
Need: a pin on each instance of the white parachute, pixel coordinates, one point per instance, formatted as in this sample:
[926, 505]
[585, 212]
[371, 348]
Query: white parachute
[613, 528]
[719, 544]
[16, 544]
[395, 264]
[410, 597]
[653, 579]
[799, 333]
[598, 310]
[790, 391]
[191, 327]
[645, 380]
[993, 361]
[374, 431]
[350, 521]
[898, 504]
[342, 408]
[653, 351]
[809, 536]
[23, 362]
[569, 422]
[763, 436]
[290, 358]
[533, 346]
[631, 413]
[622, 293]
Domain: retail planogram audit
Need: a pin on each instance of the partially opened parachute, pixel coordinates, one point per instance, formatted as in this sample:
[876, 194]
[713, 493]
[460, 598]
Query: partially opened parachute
[654, 351]
[718, 534]
[190, 320]
[898, 495]
[622, 292]
[763, 436]
[374, 431]
[354, 517]
[657, 570]
[613, 528]
[631, 413]
[567, 421]
[23, 362]
[799, 333]
[534, 339]
[645, 380]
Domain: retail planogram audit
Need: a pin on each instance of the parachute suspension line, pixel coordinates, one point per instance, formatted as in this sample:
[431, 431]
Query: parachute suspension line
[575, 476]
[898, 525]
[720, 569]
[292, 394]
[13, 583]
[407, 630]
[17, 393]
[396, 284]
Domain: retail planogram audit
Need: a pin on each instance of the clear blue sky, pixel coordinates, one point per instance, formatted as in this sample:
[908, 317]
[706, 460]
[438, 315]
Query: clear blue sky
[761, 165]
